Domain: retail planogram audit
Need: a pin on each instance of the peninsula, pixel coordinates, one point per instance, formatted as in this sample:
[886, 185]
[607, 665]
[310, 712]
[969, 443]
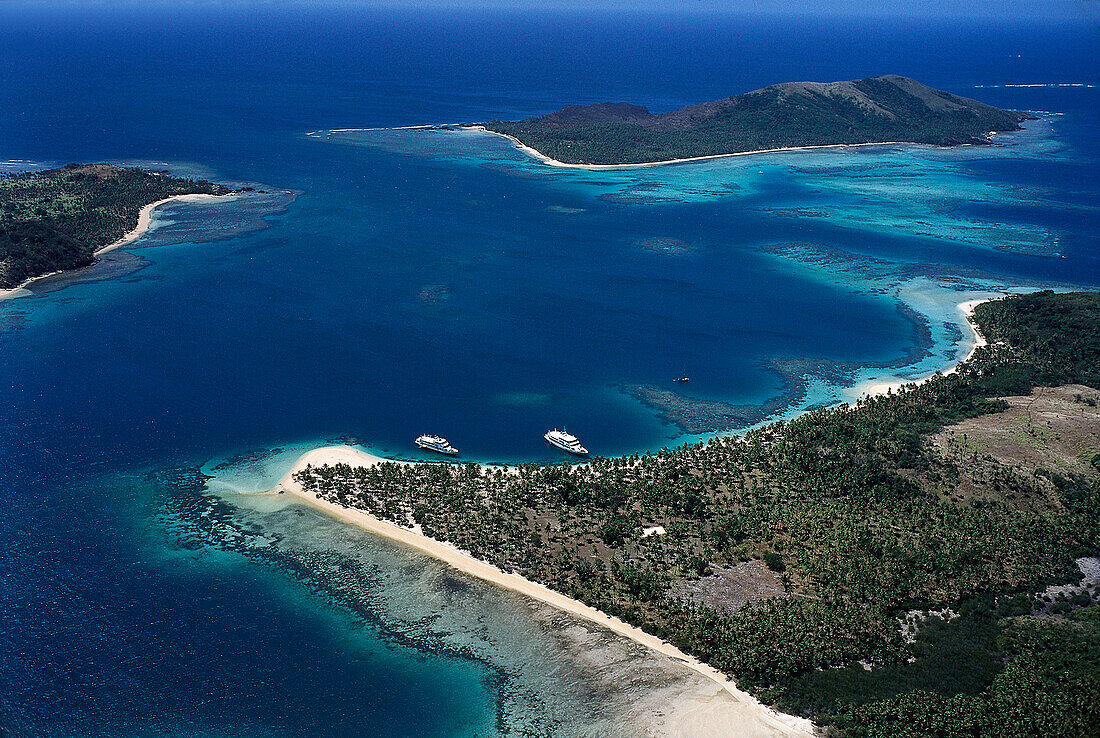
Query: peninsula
[885, 109]
[58, 220]
[925, 562]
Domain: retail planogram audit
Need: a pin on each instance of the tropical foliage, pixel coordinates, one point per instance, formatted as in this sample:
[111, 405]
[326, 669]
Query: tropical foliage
[781, 116]
[851, 507]
[56, 220]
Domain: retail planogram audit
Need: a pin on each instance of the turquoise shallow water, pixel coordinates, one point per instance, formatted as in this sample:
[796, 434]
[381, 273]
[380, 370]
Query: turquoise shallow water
[396, 282]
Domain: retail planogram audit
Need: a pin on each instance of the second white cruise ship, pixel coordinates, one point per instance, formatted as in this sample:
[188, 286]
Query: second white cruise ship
[565, 441]
[438, 444]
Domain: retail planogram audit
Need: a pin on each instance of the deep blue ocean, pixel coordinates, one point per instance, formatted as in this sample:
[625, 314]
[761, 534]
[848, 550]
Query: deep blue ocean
[398, 281]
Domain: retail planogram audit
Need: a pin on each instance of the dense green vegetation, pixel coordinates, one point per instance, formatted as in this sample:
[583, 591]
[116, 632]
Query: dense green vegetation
[796, 114]
[853, 509]
[56, 220]
[1028, 677]
[1058, 335]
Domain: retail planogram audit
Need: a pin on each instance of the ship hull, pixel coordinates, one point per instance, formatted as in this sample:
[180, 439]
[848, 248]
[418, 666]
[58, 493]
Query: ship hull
[445, 452]
[566, 449]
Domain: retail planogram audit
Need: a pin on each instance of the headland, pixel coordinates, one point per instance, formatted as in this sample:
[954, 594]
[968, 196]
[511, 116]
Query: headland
[60, 220]
[793, 554]
[731, 713]
[791, 116]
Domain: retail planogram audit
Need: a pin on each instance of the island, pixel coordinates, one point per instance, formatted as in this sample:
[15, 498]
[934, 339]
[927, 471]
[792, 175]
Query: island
[884, 109]
[59, 219]
[924, 562]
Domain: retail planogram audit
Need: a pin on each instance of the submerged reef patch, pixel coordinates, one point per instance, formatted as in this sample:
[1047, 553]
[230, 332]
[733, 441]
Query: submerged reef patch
[795, 212]
[665, 245]
[433, 294]
[697, 416]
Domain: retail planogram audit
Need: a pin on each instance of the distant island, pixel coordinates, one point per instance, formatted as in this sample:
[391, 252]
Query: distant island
[923, 563]
[885, 109]
[59, 219]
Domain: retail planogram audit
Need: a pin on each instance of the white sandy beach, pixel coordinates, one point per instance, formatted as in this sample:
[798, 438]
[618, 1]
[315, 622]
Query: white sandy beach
[555, 163]
[726, 712]
[884, 385]
[145, 222]
[145, 218]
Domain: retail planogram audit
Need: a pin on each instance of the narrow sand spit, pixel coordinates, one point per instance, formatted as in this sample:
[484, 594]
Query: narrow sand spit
[727, 711]
[555, 163]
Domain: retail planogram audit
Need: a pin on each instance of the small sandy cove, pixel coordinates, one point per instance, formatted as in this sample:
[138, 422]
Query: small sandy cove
[882, 386]
[145, 218]
[727, 711]
[145, 221]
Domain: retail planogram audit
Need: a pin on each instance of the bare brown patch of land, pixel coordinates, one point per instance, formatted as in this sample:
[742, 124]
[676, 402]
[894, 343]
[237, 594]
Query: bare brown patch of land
[97, 170]
[1054, 429]
[730, 588]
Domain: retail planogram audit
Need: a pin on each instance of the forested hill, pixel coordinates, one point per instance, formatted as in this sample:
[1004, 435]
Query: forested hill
[56, 220]
[875, 109]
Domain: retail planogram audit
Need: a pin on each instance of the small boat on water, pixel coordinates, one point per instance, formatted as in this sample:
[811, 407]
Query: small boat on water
[681, 380]
[439, 444]
[566, 441]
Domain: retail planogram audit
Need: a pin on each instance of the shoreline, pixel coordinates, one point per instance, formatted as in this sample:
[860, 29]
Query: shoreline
[145, 222]
[756, 715]
[536, 154]
[877, 386]
[766, 718]
[145, 218]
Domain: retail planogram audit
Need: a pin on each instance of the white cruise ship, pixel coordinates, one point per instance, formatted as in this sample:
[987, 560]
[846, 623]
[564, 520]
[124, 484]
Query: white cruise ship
[565, 441]
[436, 443]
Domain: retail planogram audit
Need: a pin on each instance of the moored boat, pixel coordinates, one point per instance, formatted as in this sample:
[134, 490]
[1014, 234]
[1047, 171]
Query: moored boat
[439, 444]
[566, 441]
